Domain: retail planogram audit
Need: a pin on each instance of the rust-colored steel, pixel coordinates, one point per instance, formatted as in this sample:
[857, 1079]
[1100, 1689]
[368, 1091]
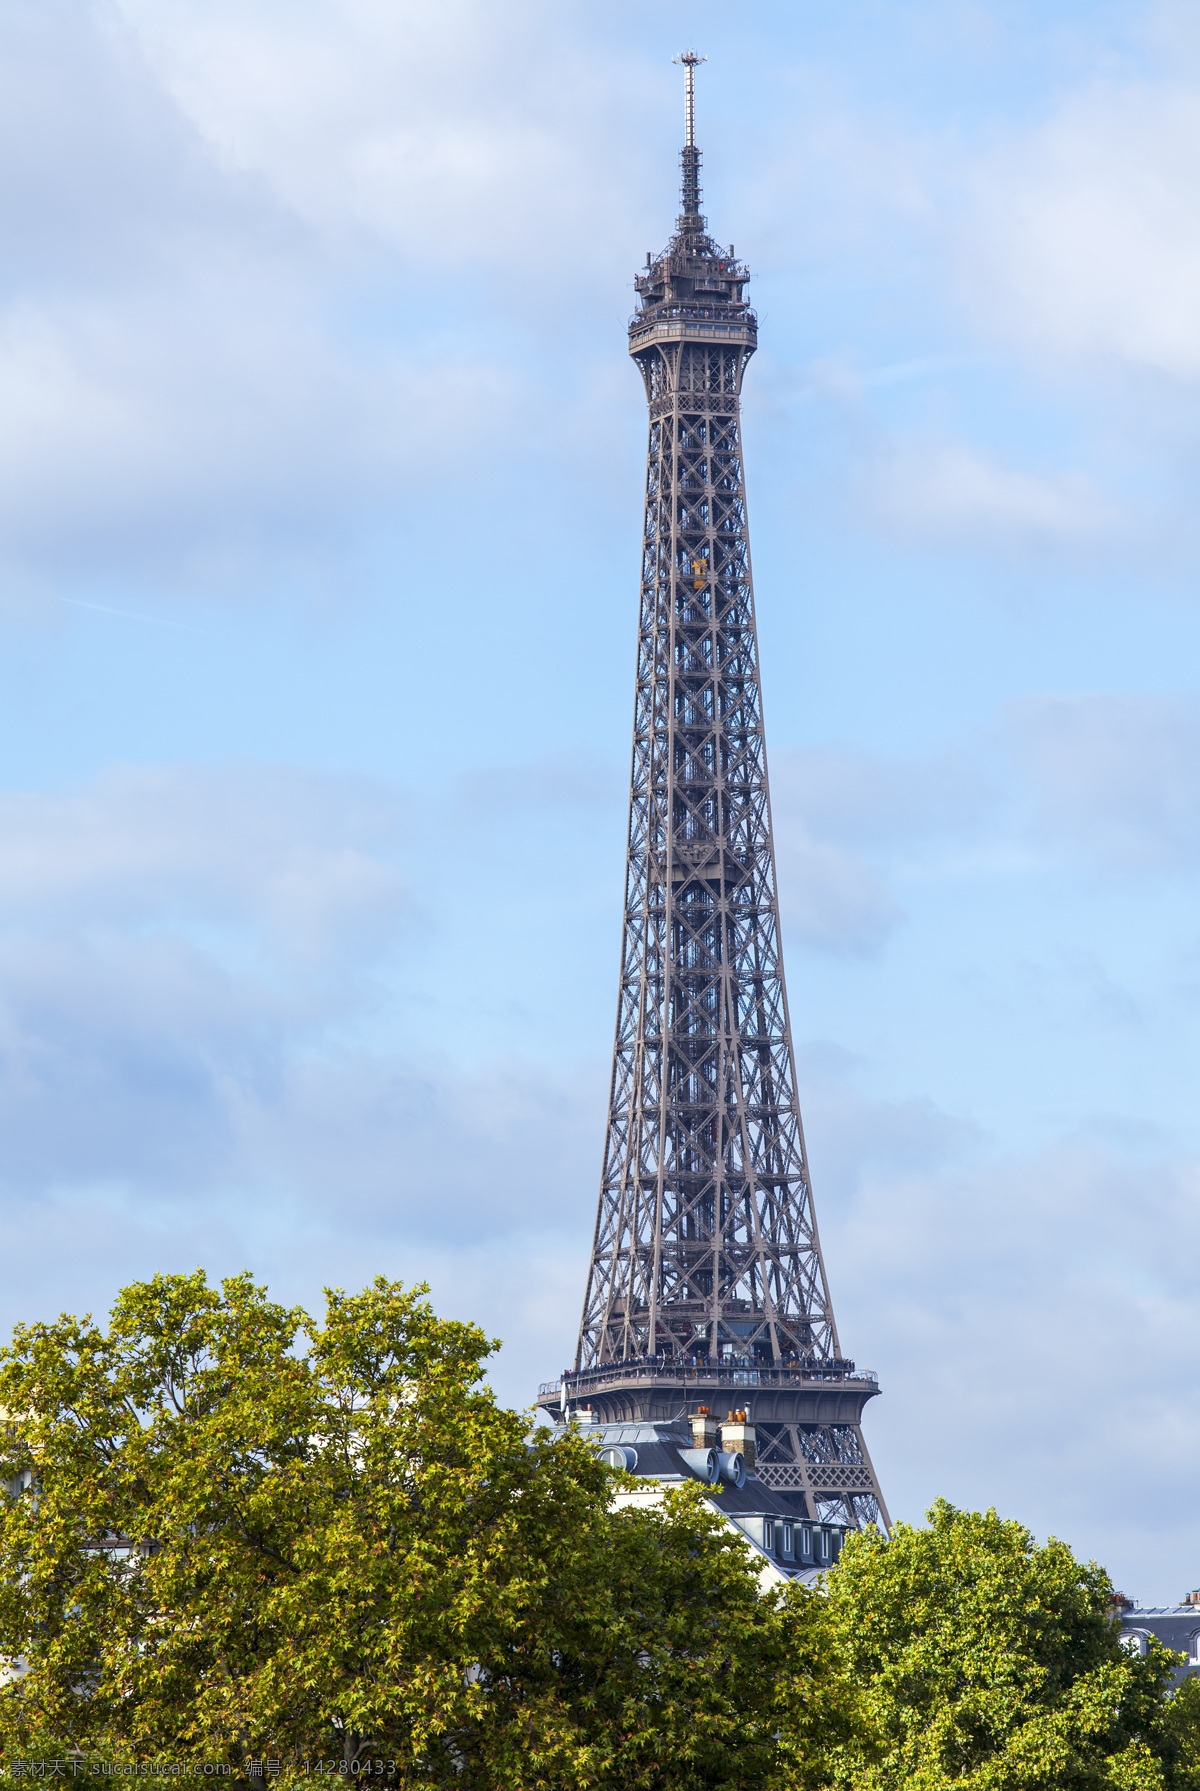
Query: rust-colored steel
[707, 1269]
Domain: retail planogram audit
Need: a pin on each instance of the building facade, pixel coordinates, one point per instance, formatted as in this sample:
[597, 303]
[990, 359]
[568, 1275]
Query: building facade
[719, 1457]
[1175, 1626]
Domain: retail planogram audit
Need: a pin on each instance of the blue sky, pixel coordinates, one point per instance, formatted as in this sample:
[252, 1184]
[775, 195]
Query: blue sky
[320, 477]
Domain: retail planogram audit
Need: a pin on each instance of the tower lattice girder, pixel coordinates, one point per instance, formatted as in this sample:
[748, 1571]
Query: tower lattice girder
[705, 1202]
[707, 1260]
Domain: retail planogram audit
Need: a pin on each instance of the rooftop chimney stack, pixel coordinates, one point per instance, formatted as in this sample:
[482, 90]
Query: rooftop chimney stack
[705, 1431]
[737, 1438]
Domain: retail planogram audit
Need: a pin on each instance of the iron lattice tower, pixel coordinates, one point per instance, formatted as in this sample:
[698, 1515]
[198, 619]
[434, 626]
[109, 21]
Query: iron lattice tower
[707, 1280]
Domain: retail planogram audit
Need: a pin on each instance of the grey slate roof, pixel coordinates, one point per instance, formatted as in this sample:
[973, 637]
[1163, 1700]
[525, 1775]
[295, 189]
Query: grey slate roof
[659, 1447]
[1176, 1626]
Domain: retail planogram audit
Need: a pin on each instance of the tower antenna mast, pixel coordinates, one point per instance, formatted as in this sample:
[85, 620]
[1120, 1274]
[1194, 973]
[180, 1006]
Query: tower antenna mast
[689, 156]
[691, 63]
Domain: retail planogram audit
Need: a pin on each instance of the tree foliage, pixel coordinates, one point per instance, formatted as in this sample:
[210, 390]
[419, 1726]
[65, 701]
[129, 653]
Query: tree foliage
[253, 1536]
[989, 1664]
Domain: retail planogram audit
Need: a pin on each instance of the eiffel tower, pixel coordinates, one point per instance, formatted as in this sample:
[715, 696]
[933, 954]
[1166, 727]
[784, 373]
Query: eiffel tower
[707, 1283]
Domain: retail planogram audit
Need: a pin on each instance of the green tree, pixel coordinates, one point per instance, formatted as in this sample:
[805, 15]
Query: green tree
[986, 1662]
[256, 1536]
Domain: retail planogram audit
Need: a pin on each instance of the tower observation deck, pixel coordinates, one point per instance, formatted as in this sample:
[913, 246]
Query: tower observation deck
[707, 1282]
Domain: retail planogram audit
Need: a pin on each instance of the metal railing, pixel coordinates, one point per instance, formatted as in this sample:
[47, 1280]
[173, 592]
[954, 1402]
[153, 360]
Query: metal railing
[710, 1374]
[694, 314]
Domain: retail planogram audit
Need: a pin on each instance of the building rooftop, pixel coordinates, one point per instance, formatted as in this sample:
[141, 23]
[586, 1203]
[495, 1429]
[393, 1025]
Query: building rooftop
[662, 1453]
[1176, 1626]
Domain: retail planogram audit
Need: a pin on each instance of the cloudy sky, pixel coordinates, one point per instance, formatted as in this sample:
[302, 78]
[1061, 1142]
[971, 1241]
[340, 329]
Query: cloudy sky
[320, 471]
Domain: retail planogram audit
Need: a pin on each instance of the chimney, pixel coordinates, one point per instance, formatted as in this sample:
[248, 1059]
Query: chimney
[737, 1438]
[704, 1428]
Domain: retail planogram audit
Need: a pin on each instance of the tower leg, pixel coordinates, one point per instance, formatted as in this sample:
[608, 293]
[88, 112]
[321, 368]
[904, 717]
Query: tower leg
[827, 1468]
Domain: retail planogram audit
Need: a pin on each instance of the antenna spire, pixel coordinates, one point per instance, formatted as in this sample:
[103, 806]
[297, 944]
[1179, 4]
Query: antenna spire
[690, 156]
[691, 63]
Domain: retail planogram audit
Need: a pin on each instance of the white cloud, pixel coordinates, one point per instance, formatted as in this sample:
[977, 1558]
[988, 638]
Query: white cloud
[193, 967]
[73, 1248]
[951, 490]
[1034, 1317]
[196, 385]
[190, 964]
[838, 815]
[303, 860]
[264, 263]
[171, 941]
[1115, 776]
[1110, 780]
[572, 780]
[399, 1139]
[1036, 1322]
[866, 802]
[199, 429]
[852, 1139]
[831, 899]
[459, 133]
[1084, 235]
